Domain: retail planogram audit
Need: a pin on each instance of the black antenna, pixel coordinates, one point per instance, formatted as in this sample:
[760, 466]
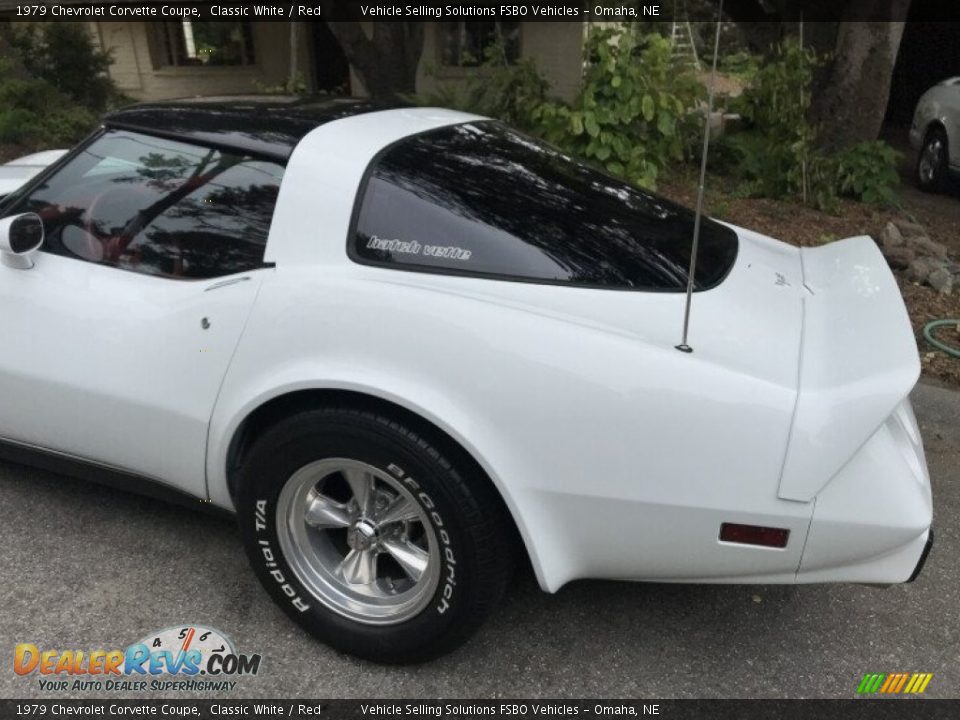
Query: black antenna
[695, 246]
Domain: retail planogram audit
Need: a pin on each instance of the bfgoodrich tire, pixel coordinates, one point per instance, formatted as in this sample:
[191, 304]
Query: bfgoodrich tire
[381, 542]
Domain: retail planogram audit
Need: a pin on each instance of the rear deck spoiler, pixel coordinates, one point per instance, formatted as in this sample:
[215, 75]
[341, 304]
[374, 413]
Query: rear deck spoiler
[858, 361]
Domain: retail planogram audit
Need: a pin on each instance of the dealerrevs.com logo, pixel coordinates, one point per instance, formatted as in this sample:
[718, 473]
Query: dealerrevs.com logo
[187, 658]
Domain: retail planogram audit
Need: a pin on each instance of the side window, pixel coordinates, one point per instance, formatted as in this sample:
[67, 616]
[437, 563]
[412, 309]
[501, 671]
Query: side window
[158, 207]
[484, 200]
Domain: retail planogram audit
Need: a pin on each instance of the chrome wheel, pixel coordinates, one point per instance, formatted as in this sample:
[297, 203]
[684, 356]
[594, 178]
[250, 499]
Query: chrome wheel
[358, 541]
[931, 158]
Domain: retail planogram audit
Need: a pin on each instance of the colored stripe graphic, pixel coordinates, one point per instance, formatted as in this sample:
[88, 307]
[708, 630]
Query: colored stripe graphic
[871, 683]
[894, 683]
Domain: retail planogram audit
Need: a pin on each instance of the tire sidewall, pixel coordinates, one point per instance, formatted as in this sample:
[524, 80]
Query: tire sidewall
[939, 179]
[262, 480]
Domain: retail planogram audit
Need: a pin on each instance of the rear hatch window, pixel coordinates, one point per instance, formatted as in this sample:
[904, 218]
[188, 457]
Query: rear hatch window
[484, 200]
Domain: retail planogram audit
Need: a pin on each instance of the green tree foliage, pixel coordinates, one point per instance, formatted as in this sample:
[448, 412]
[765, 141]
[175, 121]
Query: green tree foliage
[779, 155]
[64, 56]
[60, 88]
[637, 112]
[34, 114]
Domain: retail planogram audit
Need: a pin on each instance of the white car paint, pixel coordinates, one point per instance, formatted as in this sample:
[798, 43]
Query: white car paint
[617, 455]
[940, 105]
[16, 173]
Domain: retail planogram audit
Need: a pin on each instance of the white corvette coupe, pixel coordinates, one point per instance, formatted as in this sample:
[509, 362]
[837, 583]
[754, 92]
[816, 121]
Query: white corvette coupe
[412, 347]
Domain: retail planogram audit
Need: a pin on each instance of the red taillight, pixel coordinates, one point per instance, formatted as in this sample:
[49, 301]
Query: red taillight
[754, 535]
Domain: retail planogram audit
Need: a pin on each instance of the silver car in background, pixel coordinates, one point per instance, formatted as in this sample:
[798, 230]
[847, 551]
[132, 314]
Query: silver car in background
[935, 134]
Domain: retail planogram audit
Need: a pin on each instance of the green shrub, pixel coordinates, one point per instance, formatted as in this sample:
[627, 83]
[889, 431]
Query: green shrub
[868, 172]
[63, 54]
[636, 113]
[769, 157]
[35, 114]
[777, 155]
[742, 65]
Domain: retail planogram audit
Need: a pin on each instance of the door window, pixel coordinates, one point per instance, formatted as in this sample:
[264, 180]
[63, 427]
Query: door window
[158, 207]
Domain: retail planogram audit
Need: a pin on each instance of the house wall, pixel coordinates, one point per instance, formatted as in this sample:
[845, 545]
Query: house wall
[556, 48]
[138, 74]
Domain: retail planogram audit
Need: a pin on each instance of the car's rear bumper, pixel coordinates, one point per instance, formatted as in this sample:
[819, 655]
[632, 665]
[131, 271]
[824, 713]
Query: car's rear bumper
[871, 523]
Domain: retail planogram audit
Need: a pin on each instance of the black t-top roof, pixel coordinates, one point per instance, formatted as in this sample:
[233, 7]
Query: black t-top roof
[269, 125]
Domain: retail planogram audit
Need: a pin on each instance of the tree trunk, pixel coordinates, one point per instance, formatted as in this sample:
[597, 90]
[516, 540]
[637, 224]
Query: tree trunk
[850, 106]
[387, 62]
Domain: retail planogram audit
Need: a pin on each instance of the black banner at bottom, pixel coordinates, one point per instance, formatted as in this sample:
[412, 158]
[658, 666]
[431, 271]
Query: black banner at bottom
[899, 709]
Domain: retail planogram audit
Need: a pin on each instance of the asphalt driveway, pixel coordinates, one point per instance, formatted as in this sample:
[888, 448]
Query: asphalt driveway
[84, 567]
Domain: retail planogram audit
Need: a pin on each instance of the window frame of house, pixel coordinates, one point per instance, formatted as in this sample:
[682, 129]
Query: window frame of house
[164, 38]
[448, 69]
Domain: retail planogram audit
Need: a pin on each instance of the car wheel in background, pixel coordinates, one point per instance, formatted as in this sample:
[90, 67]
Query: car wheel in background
[372, 537]
[932, 162]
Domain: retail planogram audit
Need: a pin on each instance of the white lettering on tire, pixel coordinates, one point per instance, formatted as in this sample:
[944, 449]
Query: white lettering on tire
[260, 524]
[450, 564]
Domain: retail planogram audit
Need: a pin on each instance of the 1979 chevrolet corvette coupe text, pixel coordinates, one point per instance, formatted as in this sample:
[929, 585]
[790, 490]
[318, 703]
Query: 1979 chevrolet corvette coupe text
[412, 347]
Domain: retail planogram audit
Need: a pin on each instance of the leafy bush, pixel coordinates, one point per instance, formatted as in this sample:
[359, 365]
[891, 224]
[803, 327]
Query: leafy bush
[636, 112]
[61, 88]
[741, 64]
[778, 156]
[868, 172]
[770, 157]
[63, 54]
[35, 114]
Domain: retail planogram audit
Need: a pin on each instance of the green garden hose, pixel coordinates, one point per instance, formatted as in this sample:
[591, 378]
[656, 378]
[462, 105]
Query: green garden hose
[928, 329]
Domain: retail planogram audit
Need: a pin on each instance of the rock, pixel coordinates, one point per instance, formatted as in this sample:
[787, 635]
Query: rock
[891, 237]
[910, 229]
[921, 268]
[941, 280]
[922, 245]
[899, 258]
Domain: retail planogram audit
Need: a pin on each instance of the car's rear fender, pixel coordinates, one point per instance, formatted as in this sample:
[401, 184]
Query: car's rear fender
[595, 436]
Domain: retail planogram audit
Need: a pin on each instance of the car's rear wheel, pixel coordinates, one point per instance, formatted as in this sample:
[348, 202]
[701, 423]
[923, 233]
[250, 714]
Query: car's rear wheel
[933, 161]
[381, 542]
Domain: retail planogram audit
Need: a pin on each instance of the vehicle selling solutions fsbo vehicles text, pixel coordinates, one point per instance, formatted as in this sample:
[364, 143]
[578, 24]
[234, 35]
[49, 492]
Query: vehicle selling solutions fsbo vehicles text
[496, 11]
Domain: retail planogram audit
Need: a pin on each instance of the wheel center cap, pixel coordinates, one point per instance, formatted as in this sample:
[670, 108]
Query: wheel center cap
[362, 535]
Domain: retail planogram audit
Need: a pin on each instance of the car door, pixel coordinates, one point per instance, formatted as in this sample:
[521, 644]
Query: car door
[116, 341]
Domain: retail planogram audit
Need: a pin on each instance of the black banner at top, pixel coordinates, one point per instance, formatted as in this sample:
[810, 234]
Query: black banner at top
[469, 10]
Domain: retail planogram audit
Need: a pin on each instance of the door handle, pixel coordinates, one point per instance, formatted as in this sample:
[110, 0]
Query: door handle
[226, 283]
